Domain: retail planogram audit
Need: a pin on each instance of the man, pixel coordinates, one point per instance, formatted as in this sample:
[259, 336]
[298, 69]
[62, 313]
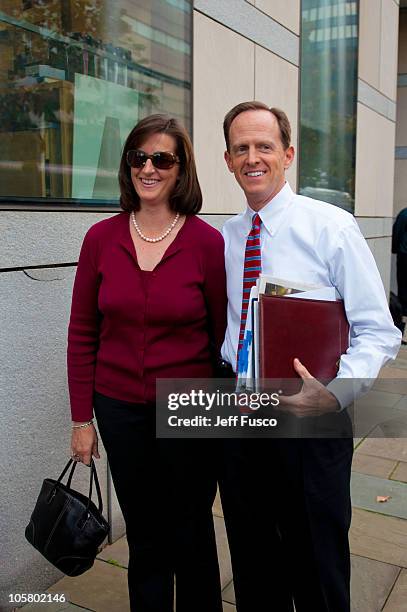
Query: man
[287, 501]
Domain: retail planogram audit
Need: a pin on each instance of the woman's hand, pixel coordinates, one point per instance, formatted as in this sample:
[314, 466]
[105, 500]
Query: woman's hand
[84, 444]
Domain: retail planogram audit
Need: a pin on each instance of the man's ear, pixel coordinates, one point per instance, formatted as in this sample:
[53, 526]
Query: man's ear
[289, 157]
[228, 161]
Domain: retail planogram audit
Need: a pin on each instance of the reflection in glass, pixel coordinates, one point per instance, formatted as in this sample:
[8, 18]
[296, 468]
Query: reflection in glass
[75, 77]
[329, 46]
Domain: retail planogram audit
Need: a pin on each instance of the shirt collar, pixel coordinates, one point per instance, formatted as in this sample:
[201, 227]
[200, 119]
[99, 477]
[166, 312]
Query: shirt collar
[273, 213]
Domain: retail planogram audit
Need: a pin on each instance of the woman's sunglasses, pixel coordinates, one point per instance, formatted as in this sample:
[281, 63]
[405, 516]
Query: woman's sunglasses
[163, 160]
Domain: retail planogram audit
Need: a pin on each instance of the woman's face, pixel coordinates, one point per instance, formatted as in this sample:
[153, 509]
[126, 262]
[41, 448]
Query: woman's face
[155, 186]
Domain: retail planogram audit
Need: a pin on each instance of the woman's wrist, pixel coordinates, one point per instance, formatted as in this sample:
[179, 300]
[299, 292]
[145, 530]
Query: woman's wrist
[81, 425]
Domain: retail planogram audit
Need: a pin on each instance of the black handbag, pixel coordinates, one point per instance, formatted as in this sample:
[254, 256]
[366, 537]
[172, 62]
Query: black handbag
[66, 527]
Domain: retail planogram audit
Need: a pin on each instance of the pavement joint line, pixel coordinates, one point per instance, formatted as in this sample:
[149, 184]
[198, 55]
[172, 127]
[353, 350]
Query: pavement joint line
[112, 562]
[379, 561]
[403, 482]
[227, 585]
[68, 603]
[359, 443]
[81, 607]
[368, 437]
[392, 589]
[381, 514]
[393, 470]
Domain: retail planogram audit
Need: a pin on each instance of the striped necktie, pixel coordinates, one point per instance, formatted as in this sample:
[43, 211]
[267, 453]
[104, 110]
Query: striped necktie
[251, 272]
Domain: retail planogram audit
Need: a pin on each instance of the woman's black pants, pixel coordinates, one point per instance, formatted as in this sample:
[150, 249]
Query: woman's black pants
[165, 490]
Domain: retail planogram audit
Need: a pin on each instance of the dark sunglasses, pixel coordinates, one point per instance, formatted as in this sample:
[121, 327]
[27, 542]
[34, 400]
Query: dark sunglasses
[163, 160]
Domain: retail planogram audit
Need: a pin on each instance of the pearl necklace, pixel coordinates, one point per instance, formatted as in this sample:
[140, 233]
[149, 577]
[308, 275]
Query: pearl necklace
[164, 235]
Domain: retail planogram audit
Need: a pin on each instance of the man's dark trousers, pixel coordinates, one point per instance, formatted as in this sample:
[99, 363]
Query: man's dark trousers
[287, 510]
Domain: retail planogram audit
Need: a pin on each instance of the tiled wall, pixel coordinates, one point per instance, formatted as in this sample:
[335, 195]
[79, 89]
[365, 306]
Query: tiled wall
[250, 50]
[375, 164]
[249, 56]
[376, 126]
[286, 13]
[378, 38]
[400, 179]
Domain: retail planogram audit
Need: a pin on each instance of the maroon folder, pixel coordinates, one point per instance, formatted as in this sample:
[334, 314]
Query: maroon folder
[315, 331]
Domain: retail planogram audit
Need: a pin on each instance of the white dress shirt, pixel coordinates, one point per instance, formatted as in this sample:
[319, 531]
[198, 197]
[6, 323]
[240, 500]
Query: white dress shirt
[317, 243]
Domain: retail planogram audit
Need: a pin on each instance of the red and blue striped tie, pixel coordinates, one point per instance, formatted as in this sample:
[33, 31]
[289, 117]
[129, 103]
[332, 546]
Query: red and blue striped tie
[251, 272]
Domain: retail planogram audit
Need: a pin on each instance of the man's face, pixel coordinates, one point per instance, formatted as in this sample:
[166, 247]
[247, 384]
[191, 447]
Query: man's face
[257, 157]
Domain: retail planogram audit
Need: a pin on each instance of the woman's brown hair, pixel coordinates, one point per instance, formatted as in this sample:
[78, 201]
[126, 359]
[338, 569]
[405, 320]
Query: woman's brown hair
[187, 196]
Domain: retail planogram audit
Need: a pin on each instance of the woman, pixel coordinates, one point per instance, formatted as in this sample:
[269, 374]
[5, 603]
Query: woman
[149, 301]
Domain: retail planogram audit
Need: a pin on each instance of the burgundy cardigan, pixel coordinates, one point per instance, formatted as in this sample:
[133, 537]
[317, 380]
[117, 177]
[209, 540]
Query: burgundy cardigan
[129, 327]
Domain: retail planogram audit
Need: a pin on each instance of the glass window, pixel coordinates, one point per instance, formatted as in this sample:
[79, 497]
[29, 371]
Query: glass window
[329, 48]
[75, 77]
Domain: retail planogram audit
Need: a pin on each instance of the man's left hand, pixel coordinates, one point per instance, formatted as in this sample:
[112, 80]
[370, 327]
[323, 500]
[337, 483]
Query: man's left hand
[313, 399]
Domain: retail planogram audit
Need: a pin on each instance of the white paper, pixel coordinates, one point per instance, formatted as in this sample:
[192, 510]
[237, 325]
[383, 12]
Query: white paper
[283, 282]
[324, 293]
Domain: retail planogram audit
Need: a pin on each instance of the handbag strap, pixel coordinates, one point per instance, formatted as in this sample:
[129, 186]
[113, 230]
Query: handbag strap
[64, 471]
[74, 464]
[93, 476]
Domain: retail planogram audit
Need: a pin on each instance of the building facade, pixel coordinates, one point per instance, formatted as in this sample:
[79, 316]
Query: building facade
[74, 78]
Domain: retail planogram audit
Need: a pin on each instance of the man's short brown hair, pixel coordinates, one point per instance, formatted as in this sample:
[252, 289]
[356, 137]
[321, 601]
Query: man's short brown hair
[282, 120]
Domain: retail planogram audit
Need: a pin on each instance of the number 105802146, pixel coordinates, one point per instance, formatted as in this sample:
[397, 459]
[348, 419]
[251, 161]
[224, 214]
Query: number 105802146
[19, 598]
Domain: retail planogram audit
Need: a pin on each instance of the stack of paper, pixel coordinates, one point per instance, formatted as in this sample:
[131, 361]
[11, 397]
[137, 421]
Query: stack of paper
[249, 357]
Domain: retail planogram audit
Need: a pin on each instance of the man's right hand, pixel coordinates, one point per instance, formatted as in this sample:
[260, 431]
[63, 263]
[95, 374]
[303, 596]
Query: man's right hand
[84, 444]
